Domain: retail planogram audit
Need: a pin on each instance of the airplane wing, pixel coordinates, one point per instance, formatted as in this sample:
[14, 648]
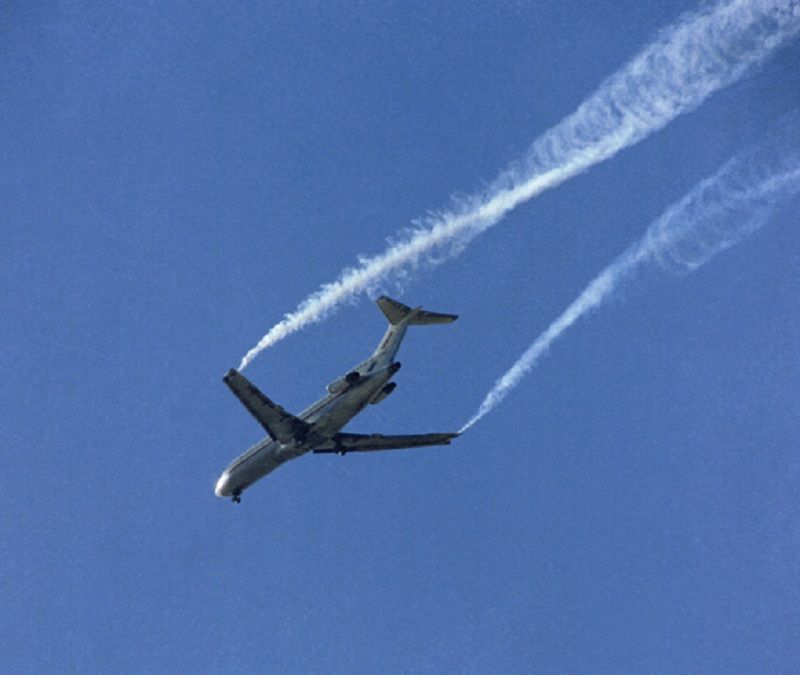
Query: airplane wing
[342, 443]
[279, 424]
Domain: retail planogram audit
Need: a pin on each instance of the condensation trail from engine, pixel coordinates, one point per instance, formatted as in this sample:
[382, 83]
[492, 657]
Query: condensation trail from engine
[720, 212]
[701, 53]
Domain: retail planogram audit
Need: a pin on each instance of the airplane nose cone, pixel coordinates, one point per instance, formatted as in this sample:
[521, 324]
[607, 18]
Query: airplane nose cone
[221, 489]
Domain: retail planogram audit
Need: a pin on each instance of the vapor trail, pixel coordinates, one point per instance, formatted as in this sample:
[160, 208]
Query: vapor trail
[718, 213]
[700, 54]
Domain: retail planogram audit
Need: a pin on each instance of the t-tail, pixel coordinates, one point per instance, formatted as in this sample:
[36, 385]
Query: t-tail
[400, 317]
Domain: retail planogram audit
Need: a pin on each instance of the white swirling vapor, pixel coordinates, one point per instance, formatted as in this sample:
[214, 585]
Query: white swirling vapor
[720, 212]
[700, 54]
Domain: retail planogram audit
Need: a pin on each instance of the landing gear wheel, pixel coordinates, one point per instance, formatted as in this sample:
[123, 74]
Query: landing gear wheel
[237, 497]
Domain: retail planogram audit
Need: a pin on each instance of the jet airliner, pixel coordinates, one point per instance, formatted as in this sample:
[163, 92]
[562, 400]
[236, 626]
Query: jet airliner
[318, 429]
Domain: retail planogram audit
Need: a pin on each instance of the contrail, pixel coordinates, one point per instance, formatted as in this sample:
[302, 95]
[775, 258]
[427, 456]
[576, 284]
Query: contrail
[718, 213]
[701, 53]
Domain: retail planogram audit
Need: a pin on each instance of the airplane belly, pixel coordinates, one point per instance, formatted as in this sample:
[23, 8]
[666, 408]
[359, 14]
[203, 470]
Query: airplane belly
[254, 470]
[254, 465]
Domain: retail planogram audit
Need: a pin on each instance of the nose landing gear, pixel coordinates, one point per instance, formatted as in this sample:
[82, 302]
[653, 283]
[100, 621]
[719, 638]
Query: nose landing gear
[237, 497]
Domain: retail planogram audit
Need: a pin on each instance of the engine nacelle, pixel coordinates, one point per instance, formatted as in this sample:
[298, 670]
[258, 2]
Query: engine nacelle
[383, 393]
[343, 383]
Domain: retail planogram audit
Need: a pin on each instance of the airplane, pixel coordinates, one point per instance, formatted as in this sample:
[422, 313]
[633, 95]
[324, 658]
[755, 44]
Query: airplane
[318, 429]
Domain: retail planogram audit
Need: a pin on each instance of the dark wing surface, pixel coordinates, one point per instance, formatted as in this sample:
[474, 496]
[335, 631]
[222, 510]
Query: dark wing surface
[279, 424]
[342, 443]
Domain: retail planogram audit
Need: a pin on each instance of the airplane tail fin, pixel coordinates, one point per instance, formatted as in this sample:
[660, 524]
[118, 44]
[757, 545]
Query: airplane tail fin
[396, 312]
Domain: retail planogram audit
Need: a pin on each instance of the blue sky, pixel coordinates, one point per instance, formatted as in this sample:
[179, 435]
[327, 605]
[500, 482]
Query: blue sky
[178, 177]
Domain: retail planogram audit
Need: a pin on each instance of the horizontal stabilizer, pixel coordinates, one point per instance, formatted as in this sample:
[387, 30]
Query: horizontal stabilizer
[342, 443]
[396, 312]
[279, 424]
